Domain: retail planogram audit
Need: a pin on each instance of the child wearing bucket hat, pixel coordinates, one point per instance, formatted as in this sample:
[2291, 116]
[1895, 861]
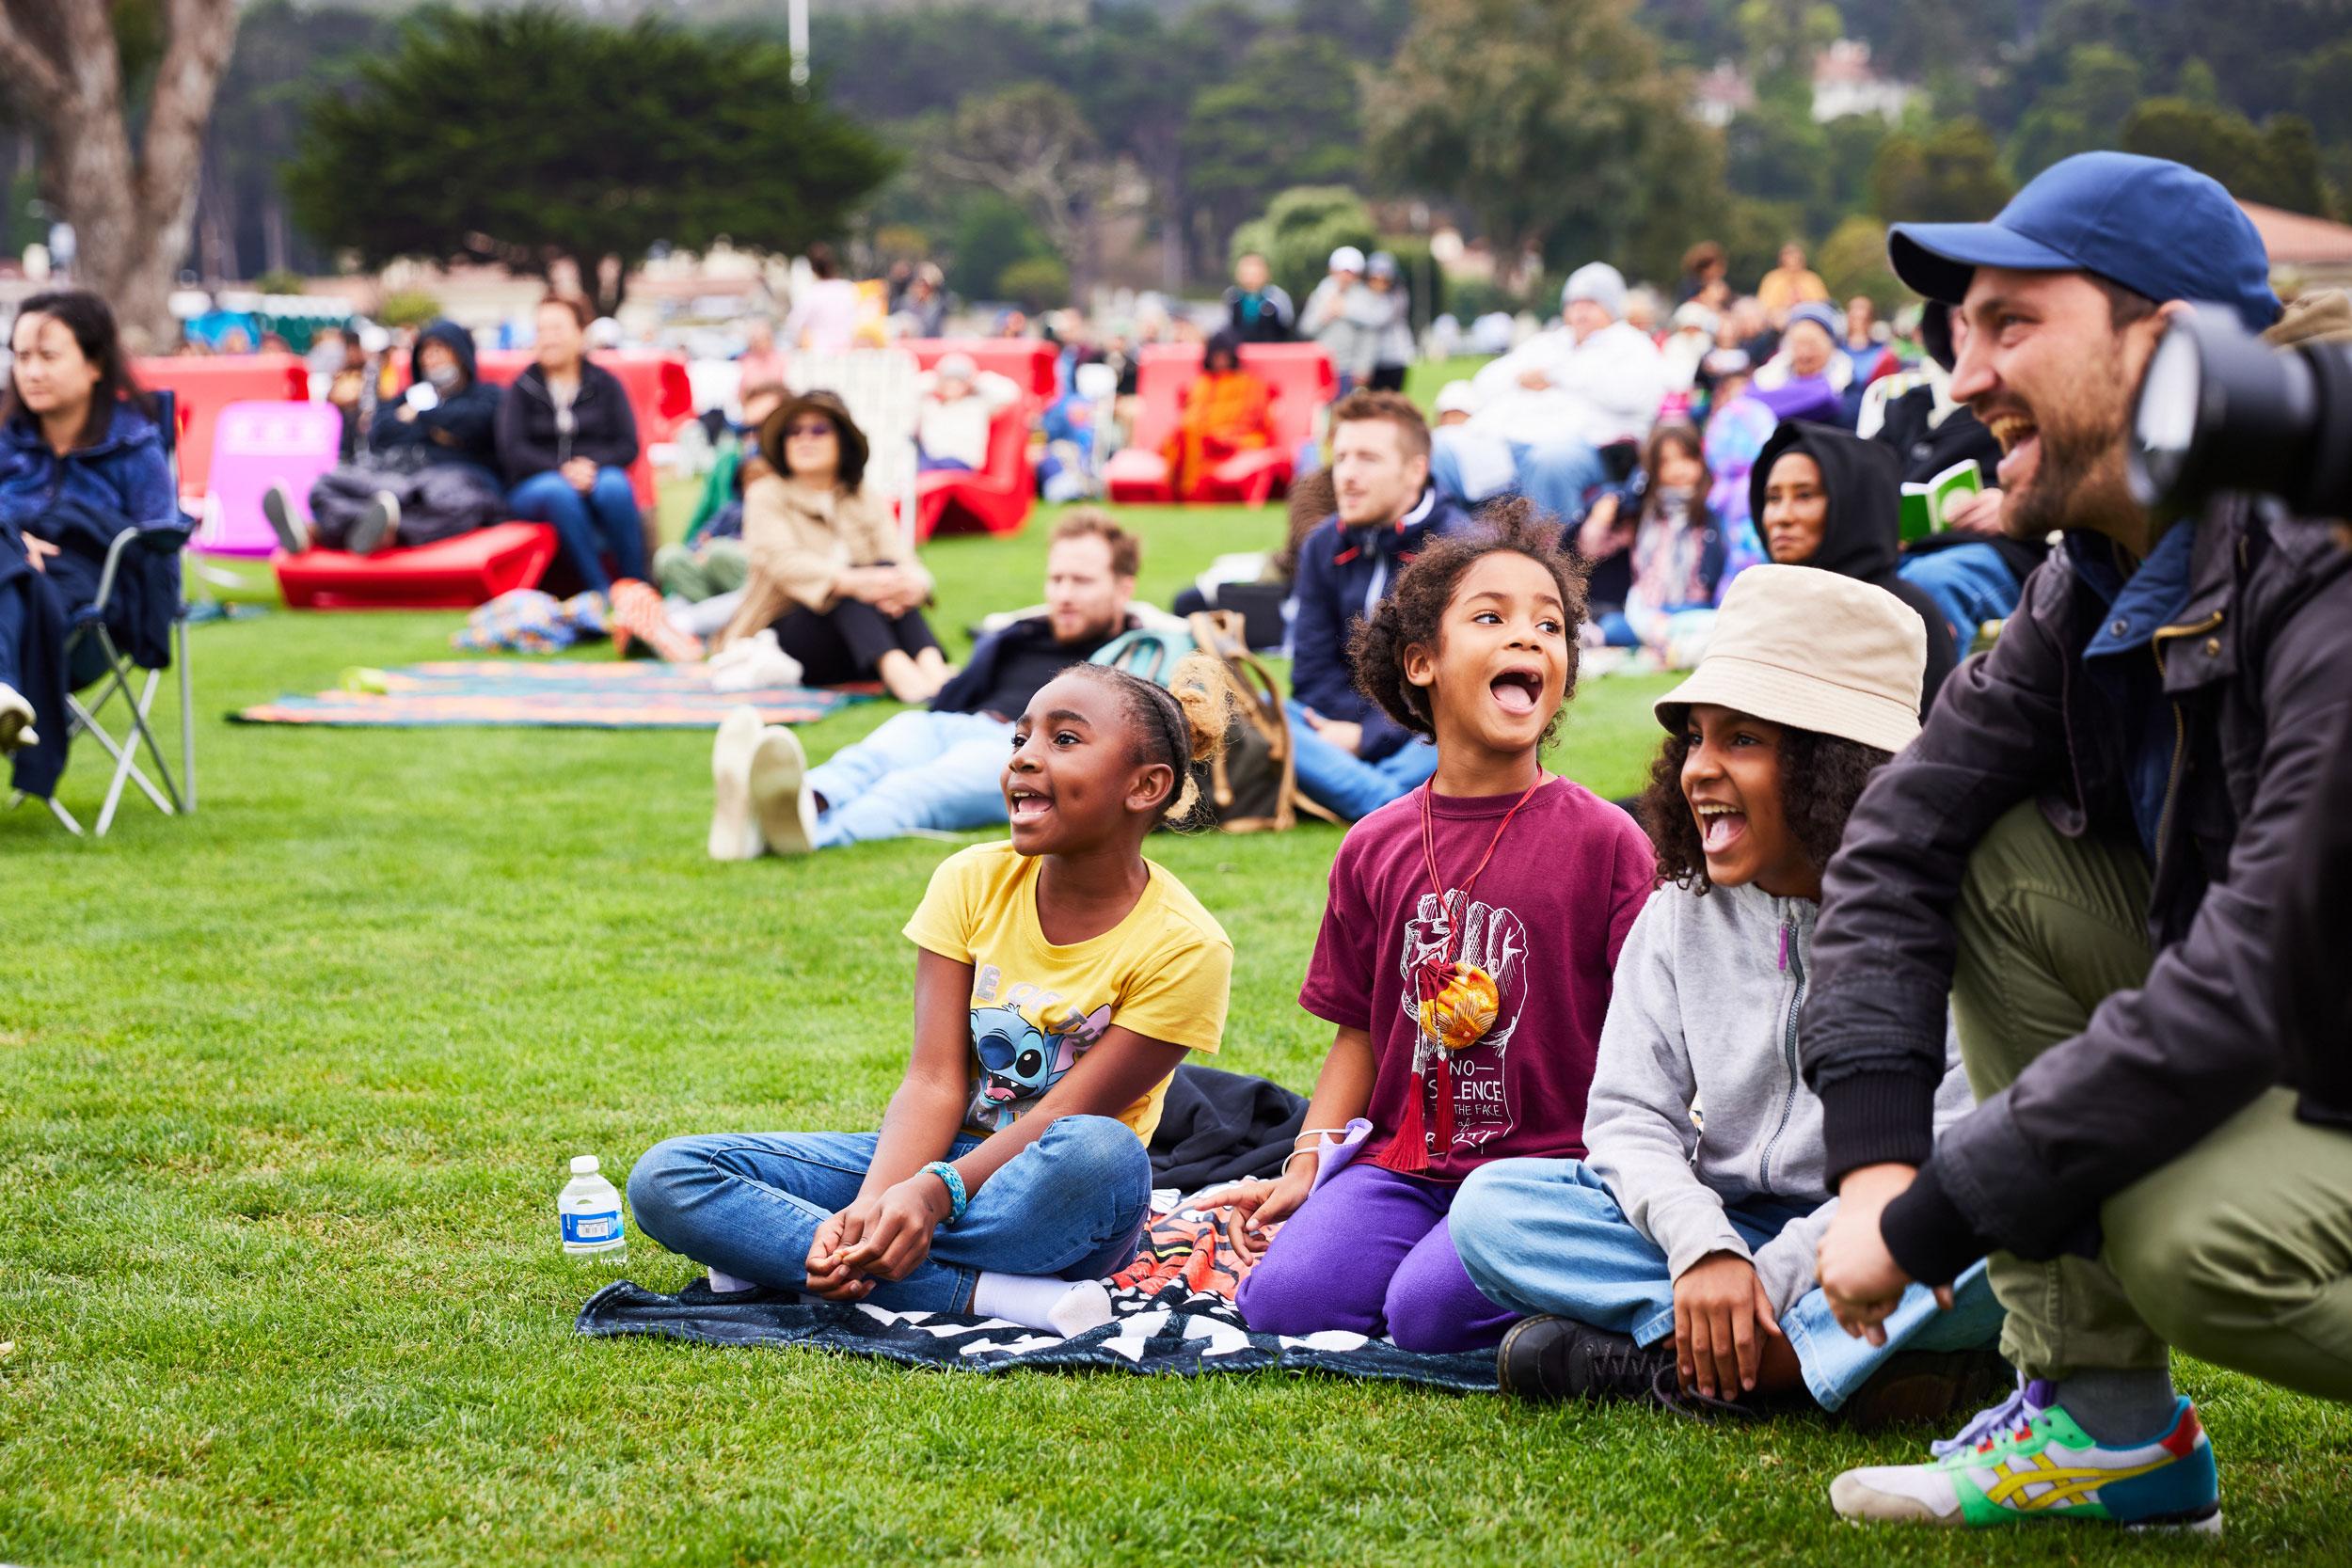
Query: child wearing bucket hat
[1676, 1259]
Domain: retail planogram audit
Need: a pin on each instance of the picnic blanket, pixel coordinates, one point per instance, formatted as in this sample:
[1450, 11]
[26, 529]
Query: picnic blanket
[1174, 1318]
[558, 694]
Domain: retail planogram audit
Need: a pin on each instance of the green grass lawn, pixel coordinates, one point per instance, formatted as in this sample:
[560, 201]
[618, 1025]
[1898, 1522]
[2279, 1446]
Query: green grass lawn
[292, 1083]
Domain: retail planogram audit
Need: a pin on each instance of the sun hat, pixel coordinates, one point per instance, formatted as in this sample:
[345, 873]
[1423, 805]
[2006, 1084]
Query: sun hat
[853, 449]
[1815, 651]
[1456, 397]
[1347, 258]
[1599, 283]
[2158, 227]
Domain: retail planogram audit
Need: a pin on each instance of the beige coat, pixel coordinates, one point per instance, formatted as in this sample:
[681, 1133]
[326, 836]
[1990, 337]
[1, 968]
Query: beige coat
[800, 543]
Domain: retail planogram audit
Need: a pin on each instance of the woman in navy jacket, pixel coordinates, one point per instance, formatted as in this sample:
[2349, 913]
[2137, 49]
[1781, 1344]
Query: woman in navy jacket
[566, 438]
[81, 460]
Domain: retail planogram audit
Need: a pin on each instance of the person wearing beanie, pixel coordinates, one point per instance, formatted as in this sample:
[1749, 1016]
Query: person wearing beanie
[1806, 376]
[951, 424]
[1822, 498]
[2086, 850]
[1546, 408]
[1663, 1259]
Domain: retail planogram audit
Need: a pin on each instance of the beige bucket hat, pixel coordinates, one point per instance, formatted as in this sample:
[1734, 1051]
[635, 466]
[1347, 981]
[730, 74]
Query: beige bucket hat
[1814, 650]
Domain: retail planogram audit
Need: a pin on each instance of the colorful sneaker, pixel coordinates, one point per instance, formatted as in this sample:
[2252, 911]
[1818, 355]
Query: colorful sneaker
[2048, 1468]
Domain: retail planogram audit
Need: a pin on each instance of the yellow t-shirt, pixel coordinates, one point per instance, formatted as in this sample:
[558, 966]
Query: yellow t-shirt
[1163, 971]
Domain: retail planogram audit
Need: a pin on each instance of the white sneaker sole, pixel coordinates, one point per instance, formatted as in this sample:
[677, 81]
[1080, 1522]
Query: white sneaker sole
[734, 832]
[1860, 1503]
[780, 800]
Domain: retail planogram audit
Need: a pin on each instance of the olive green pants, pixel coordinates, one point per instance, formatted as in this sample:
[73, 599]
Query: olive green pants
[2239, 1251]
[703, 571]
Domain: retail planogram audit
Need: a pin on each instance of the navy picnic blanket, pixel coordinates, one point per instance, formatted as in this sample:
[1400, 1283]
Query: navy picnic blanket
[1174, 1310]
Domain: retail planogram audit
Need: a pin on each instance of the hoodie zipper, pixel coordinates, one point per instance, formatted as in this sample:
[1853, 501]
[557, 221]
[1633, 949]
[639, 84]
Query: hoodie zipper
[1789, 962]
[2180, 729]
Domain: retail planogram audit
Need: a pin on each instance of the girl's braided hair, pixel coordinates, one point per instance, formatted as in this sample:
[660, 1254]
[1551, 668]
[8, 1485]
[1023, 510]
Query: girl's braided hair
[1182, 724]
[1414, 611]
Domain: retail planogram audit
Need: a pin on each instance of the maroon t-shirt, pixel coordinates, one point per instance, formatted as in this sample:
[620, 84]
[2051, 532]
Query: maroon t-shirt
[1544, 919]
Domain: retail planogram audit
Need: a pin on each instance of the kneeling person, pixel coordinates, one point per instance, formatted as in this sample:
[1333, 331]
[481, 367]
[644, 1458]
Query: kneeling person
[932, 769]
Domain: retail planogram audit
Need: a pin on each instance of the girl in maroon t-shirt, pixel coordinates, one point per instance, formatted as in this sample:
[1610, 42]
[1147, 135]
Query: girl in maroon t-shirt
[1465, 954]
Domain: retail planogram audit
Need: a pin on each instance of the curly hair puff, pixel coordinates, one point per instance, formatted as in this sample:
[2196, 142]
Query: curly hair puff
[1821, 777]
[1182, 724]
[1414, 611]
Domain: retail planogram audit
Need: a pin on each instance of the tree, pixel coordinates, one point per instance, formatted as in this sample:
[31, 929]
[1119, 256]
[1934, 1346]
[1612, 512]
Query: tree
[1951, 174]
[2278, 164]
[1030, 145]
[1852, 261]
[1299, 230]
[131, 207]
[1287, 119]
[534, 140]
[1554, 123]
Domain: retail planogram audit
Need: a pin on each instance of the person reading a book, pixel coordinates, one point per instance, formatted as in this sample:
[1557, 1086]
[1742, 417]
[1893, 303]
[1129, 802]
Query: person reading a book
[1823, 499]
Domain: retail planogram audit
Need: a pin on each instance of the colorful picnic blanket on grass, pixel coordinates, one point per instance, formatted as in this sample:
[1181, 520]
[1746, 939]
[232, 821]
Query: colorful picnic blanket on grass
[558, 694]
[1175, 1318]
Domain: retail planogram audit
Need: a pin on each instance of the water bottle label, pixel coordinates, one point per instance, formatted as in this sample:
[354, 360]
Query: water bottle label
[588, 1229]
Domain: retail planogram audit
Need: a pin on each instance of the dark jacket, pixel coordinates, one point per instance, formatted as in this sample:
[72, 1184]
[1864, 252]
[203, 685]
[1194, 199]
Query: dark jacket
[1862, 535]
[462, 427]
[40, 668]
[2253, 668]
[2314, 966]
[1342, 573]
[1924, 449]
[79, 501]
[1273, 319]
[973, 684]
[604, 428]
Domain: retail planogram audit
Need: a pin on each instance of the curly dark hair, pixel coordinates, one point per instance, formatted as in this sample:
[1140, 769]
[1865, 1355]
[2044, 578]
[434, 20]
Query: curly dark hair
[1821, 778]
[1414, 611]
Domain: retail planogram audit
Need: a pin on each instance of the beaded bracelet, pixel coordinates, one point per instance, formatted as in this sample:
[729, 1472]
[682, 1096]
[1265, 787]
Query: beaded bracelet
[953, 1181]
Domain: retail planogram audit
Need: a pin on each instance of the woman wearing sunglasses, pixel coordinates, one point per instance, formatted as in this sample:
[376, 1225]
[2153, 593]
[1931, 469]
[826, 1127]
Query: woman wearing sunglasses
[828, 570]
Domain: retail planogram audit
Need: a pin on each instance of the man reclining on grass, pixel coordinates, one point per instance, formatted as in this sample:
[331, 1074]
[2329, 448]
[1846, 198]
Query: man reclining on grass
[934, 768]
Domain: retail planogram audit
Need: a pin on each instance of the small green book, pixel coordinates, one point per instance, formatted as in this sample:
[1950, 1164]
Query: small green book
[1927, 506]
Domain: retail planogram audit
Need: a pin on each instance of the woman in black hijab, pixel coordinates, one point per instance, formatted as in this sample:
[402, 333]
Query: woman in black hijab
[1825, 499]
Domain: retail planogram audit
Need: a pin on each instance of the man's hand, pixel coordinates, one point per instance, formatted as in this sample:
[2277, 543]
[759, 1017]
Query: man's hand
[1857, 1274]
[38, 550]
[1339, 732]
[1722, 1320]
[580, 473]
[1979, 513]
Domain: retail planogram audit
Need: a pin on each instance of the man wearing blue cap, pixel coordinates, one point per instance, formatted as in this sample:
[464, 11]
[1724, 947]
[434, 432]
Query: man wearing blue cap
[2083, 849]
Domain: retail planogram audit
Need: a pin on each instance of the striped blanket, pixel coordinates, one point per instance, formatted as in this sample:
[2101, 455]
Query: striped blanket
[557, 694]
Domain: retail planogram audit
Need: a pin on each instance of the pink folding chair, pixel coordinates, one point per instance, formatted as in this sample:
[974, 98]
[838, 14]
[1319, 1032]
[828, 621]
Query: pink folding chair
[256, 445]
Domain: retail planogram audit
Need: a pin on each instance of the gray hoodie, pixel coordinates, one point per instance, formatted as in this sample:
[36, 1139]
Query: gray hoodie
[1703, 1026]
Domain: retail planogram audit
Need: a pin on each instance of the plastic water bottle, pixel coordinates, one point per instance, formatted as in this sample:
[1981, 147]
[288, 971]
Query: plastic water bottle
[591, 1212]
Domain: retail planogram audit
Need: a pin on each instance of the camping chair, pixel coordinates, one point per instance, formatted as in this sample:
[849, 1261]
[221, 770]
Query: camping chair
[90, 647]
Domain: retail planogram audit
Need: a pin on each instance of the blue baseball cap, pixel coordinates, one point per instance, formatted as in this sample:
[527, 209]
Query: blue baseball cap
[2157, 228]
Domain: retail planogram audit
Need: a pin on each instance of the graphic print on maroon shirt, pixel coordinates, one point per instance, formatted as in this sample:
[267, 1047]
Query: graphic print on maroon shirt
[1544, 919]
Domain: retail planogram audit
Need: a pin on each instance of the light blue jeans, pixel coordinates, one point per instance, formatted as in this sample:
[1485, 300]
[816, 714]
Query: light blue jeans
[604, 519]
[1545, 1236]
[936, 770]
[1970, 584]
[1073, 1205]
[1556, 474]
[1344, 784]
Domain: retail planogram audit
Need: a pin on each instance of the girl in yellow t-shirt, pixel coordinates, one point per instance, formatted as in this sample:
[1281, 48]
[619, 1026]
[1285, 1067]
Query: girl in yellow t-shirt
[1060, 978]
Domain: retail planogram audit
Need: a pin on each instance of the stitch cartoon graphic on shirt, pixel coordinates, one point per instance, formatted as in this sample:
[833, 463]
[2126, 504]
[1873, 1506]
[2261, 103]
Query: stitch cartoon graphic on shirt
[1494, 940]
[1019, 1061]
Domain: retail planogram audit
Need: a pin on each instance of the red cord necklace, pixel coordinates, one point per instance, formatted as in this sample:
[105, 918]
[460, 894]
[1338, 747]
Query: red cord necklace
[1455, 1003]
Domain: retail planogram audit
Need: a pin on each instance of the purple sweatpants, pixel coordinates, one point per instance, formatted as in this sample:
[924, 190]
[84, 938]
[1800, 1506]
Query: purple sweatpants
[1370, 1252]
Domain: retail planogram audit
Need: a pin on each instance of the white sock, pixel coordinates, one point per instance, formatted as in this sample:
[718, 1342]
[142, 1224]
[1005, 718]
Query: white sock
[1035, 1301]
[722, 1284]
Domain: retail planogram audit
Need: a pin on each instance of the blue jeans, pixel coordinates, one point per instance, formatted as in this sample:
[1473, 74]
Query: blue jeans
[1545, 1236]
[606, 518]
[1073, 1205]
[938, 770]
[1616, 631]
[1345, 785]
[1970, 584]
[1555, 474]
